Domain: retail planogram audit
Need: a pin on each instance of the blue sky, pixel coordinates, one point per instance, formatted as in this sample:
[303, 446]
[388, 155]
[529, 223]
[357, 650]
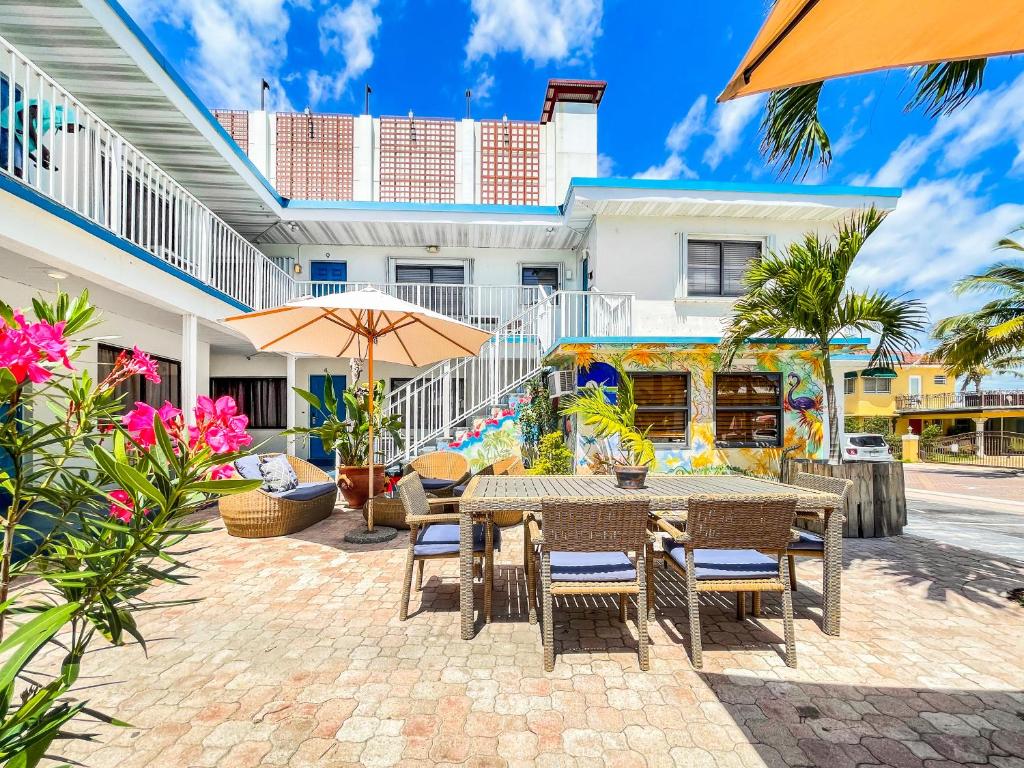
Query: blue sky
[665, 61]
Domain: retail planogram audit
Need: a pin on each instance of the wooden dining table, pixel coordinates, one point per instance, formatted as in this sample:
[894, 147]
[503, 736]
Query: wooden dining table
[668, 496]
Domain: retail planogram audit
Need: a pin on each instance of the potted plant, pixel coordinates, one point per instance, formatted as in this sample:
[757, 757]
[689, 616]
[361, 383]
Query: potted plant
[347, 435]
[616, 419]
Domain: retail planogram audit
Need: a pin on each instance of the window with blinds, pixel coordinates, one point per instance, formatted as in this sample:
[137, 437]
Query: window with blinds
[717, 267]
[263, 400]
[137, 389]
[748, 409]
[663, 404]
[877, 386]
[546, 276]
[435, 286]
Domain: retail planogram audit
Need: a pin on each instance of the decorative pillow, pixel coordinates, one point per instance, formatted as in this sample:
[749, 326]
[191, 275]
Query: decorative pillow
[278, 475]
[248, 467]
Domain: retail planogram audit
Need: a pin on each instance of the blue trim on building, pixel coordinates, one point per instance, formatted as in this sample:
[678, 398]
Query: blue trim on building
[680, 340]
[733, 186]
[30, 195]
[374, 205]
[169, 70]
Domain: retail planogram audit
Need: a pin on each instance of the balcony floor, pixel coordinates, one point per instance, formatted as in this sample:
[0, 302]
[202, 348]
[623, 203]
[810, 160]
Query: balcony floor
[294, 655]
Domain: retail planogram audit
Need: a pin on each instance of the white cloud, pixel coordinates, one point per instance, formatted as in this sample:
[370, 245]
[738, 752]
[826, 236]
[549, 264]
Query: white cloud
[237, 42]
[605, 165]
[941, 230]
[992, 118]
[727, 125]
[541, 30]
[677, 142]
[348, 31]
[673, 168]
[482, 87]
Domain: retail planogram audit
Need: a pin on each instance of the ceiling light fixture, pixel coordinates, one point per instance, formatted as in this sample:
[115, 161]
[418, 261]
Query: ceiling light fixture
[57, 275]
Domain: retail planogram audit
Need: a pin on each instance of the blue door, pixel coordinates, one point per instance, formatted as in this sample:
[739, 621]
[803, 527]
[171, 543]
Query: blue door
[317, 383]
[328, 272]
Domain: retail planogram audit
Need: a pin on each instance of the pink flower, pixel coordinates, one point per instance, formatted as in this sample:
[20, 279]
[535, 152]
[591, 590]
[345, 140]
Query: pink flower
[219, 426]
[122, 506]
[223, 472]
[25, 345]
[139, 424]
[170, 416]
[143, 365]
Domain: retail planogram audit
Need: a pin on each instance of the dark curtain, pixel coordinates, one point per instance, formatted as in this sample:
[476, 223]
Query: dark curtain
[264, 401]
[137, 389]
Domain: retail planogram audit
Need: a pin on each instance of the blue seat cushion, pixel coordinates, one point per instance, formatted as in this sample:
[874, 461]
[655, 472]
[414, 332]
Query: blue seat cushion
[458, 490]
[306, 491]
[591, 566]
[725, 563]
[249, 467]
[809, 541]
[443, 539]
[435, 484]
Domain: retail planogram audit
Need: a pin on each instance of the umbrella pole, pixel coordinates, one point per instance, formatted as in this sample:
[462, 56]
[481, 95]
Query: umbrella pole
[369, 451]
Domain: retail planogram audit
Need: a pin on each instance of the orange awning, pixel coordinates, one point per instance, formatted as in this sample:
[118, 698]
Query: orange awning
[804, 41]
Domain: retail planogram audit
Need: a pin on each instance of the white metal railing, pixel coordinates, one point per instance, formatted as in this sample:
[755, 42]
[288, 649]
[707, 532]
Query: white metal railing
[449, 395]
[53, 143]
[485, 306]
[958, 401]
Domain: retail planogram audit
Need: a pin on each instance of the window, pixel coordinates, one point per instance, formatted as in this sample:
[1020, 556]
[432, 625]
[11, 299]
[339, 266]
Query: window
[850, 386]
[263, 400]
[662, 401]
[546, 276]
[137, 389]
[939, 379]
[716, 268]
[434, 286]
[877, 386]
[748, 409]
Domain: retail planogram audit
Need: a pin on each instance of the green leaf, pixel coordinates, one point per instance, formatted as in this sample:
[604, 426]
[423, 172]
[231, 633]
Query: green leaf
[309, 397]
[8, 384]
[330, 396]
[224, 487]
[24, 642]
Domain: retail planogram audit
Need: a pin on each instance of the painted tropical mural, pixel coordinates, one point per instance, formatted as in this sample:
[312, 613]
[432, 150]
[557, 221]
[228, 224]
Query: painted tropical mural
[803, 412]
[492, 438]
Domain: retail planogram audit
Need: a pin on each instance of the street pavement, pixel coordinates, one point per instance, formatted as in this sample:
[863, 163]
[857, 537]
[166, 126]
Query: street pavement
[977, 508]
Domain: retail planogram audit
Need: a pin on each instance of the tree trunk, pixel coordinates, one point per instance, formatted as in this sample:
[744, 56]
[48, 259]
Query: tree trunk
[834, 454]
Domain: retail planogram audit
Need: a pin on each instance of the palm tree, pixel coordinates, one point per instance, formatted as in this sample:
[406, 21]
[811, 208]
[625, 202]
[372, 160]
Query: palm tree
[991, 336]
[804, 289]
[793, 138]
[975, 376]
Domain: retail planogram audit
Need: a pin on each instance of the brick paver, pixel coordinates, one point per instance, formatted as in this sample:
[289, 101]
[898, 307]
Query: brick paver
[294, 655]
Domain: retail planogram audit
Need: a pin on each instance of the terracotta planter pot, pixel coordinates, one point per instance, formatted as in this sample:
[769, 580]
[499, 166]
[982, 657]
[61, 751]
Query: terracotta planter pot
[352, 484]
[630, 477]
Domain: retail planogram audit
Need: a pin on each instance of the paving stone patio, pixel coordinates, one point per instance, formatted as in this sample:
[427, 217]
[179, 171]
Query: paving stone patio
[294, 655]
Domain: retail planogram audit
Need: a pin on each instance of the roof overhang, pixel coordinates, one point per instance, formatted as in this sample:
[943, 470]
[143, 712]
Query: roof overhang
[97, 52]
[421, 224]
[669, 198]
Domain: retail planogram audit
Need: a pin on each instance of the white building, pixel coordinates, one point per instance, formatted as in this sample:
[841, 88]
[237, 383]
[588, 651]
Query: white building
[150, 205]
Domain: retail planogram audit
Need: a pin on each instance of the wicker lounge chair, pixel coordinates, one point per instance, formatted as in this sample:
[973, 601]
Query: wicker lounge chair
[584, 550]
[724, 550]
[810, 544]
[259, 514]
[434, 535]
[440, 471]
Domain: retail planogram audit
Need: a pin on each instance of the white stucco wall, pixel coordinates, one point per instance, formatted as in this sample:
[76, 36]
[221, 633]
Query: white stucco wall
[643, 255]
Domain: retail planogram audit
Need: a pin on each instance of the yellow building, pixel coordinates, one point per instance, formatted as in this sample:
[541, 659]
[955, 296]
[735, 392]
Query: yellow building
[920, 392]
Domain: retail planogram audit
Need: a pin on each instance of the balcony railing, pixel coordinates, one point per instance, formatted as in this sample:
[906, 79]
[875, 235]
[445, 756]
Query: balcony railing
[57, 146]
[962, 401]
[485, 306]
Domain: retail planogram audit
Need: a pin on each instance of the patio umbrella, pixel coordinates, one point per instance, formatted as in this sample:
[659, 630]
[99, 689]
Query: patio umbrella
[356, 324]
[804, 41]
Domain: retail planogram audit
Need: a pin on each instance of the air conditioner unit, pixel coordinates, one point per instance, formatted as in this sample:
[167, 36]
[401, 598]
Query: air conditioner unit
[562, 383]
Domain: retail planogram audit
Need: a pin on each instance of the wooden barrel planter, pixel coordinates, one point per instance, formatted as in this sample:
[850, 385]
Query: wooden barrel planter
[877, 504]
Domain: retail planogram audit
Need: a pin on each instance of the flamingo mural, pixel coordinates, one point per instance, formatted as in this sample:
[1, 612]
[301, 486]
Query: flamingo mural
[808, 410]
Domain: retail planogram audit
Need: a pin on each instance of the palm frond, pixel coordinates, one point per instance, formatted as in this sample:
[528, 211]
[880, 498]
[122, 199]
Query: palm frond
[793, 138]
[946, 86]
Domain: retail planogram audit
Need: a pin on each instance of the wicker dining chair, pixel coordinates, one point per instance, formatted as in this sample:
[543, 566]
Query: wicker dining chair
[434, 535]
[440, 471]
[584, 550]
[725, 549]
[810, 544]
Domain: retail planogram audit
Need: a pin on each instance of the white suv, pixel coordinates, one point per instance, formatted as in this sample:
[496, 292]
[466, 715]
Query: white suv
[860, 446]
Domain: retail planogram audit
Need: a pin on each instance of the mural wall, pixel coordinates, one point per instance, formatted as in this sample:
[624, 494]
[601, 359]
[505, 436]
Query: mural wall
[804, 422]
[491, 438]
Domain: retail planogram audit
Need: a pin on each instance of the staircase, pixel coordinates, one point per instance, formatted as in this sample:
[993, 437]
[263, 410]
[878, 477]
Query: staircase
[449, 396]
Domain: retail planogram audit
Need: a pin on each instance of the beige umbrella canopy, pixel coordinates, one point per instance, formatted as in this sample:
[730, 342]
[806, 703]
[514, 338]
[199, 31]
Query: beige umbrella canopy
[364, 323]
[805, 41]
